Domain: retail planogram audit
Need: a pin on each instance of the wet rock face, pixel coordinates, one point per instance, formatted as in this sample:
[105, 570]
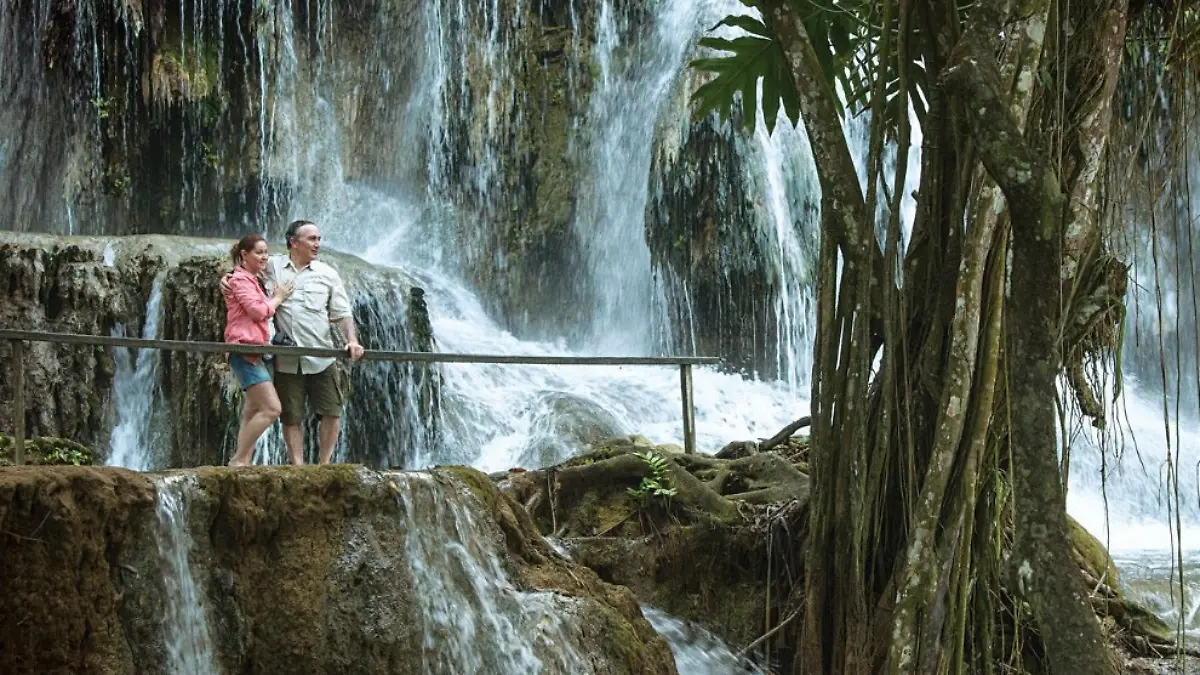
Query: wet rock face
[700, 226]
[508, 155]
[298, 569]
[152, 116]
[95, 286]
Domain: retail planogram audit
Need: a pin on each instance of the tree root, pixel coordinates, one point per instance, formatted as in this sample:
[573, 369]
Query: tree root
[785, 433]
[590, 495]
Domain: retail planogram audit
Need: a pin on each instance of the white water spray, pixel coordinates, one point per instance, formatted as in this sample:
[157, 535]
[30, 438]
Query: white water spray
[697, 651]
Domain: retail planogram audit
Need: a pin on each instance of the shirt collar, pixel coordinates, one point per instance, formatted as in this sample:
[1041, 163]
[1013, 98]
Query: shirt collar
[292, 264]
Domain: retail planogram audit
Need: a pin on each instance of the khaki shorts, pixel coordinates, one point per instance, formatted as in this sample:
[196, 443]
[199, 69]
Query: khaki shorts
[324, 392]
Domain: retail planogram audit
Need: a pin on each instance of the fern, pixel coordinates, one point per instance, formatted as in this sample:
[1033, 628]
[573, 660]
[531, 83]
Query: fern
[657, 483]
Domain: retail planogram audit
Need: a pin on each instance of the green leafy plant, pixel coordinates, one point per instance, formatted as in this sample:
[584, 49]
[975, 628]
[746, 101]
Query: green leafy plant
[65, 455]
[211, 157]
[754, 57]
[104, 106]
[656, 484]
[845, 36]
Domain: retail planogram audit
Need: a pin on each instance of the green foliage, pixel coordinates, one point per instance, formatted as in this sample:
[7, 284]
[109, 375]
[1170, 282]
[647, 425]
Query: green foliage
[211, 157]
[67, 455]
[116, 181]
[655, 485]
[104, 106]
[755, 57]
[845, 36]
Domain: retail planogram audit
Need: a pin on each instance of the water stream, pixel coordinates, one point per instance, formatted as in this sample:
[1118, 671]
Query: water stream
[189, 644]
[137, 394]
[697, 651]
[455, 566]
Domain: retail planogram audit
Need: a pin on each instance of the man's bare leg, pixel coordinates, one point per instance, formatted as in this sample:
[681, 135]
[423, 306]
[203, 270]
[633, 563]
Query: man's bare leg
[294, 439]
[330, 426]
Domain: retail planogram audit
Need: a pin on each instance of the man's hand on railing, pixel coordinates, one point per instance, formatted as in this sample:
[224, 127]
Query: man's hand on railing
[356, 351]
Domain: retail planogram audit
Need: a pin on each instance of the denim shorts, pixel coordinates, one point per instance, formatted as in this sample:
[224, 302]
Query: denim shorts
[249, 373]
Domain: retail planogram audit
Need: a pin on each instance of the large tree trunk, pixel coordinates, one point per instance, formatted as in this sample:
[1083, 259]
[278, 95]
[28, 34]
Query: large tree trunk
[901, 568]
[1043, 570]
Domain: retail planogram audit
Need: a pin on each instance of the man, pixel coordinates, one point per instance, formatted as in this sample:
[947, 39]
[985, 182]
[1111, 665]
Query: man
[318, 299]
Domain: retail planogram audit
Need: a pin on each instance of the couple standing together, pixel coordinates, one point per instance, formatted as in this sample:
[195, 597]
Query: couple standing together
[304, 296]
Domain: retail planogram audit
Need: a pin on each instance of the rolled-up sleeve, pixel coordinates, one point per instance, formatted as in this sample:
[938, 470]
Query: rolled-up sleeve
[247, 293]
[339, 301]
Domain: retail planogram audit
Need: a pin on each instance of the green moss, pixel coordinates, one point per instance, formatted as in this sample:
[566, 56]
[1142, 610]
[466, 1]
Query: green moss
[47, 451]
[1092, 556]
[1141, 621]
[477, 481]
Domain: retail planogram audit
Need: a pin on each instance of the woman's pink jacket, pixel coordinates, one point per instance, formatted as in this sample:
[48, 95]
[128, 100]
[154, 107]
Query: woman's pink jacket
[246, 310]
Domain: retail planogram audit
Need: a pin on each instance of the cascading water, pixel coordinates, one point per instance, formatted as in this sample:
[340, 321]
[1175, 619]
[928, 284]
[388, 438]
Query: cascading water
[497, 416]
[136, 393]
[189, 645]
[788, 255]
[637, 75]
[697, 651]
[476, 620]
[390, 197]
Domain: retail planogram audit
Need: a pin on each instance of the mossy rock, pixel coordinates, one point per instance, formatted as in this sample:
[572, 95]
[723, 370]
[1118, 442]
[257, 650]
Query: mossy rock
[1141, 622]
[1092, 557]
[47, 451]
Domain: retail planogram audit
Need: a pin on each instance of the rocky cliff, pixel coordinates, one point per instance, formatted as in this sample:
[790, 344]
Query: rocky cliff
[290, 570]
[168, 286]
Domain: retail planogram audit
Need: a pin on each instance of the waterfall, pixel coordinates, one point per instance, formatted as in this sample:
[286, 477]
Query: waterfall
[696, 650]
[782, 163]
[475, 619]
[498, 416]
[637, 75]
[137, 393]
[189, 645]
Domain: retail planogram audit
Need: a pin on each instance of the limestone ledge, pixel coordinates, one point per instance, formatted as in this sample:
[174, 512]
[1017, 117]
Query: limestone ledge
[300, 569]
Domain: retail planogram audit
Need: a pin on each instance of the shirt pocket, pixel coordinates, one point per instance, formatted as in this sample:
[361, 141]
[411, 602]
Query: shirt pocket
[314, 298]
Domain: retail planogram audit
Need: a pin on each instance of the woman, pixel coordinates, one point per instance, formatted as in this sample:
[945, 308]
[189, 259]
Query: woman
[247, 312]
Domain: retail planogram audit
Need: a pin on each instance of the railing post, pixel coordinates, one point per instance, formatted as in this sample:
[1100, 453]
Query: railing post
[18, 412]
[689, 410]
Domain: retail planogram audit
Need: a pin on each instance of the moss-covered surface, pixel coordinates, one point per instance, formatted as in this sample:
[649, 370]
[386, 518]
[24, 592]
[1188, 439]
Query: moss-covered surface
[64, 532]
[46, 451]
[705, 554]
[299, 569]
[603, 492]
[1092, 557]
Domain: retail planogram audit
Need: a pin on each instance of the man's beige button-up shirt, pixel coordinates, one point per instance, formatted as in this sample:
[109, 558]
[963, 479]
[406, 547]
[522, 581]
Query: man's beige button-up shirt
[318, 299]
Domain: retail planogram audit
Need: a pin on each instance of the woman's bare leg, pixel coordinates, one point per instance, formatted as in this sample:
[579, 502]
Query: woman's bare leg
[260, 412]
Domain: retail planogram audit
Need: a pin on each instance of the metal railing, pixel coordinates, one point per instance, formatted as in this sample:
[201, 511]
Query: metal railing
[18, 338]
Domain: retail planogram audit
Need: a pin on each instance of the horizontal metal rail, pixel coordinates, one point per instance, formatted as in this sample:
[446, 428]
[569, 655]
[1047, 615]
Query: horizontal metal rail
[18, 338]
[369, 355]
